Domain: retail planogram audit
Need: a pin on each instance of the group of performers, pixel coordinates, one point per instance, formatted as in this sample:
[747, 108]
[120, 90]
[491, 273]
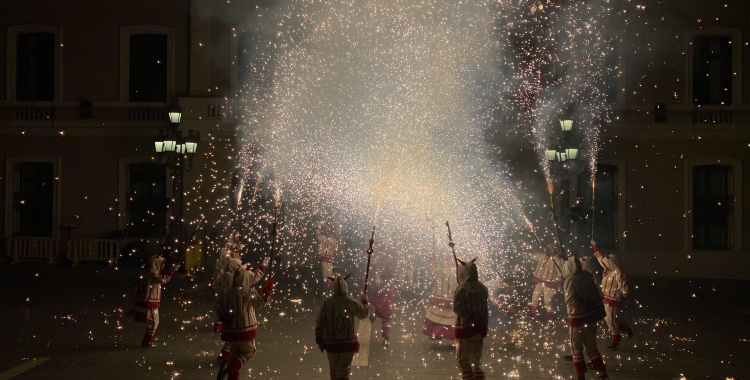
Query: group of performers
[586, 303]
[458, 308]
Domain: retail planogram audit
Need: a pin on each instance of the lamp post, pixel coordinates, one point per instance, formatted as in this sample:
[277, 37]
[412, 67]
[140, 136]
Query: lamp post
[177, 152]
[565, 154]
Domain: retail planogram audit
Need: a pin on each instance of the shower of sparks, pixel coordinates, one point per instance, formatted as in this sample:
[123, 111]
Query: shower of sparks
[383, 113]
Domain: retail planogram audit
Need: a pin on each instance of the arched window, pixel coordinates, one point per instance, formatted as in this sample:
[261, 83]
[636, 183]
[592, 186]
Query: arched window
[147, 60]
[34, 63]
[714, 200]
[32, 196]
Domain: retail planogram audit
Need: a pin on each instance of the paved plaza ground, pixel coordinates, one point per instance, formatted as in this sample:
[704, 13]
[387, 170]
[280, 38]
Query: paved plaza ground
[60, 322]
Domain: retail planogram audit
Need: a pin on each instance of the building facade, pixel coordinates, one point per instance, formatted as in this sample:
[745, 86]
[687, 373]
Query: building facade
[87, 86]
[674, 163]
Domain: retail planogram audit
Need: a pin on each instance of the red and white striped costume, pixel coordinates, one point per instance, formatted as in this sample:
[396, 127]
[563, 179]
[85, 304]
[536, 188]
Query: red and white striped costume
[548, 279]
[148, 297]
[326, 254]
[439, 318]
[614, 291]
[585, 308]
[227, 262]
[382, 288]
[240, 324]
[472, 319]
[226, 283]
[335, 328]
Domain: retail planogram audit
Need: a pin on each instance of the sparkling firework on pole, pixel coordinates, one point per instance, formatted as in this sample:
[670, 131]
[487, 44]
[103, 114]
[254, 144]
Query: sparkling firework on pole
[593, 203]
[528, 223]
[452, 245]
[554, 220]
[434, 240]
[369, 255]
[273, 242]
[533, 231]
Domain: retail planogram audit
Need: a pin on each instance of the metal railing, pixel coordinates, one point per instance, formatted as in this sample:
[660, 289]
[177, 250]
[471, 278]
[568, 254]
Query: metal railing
[106, 250]
[35, 112]
[30, 247]
[713, 115]
[145, 113]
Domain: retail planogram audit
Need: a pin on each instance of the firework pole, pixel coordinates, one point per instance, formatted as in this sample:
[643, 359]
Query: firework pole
[273, 242]
[434, 240]
[533, 231]
[554, 220]
[593, 204]
[369, 255]
[452, 245]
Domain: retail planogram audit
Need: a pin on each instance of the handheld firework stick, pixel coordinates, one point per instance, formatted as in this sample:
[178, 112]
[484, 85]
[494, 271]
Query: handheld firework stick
[434, 239]
[536, 236]
[369, 254]
[554, 220]
[273, 242]
[593, 203]
[452, 245]
[192, 239]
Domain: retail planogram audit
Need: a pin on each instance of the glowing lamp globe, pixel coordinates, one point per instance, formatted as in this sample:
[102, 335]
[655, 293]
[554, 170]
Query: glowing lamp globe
[159, 142]
[170, 144]
[572, 153]
[190, 147]
[551, 154]
[175, 115]
[191, 141]
[566, 124]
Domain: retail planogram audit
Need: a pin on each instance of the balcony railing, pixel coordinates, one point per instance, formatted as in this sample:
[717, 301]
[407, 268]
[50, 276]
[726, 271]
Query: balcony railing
[196, 111]
[147, 113]
[713, 115]
[29, 247]
[35, 111]
[203, 108]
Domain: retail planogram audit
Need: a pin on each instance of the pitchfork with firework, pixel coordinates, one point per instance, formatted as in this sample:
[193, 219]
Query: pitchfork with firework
[277, 206]
[452, 245]
[369, 255]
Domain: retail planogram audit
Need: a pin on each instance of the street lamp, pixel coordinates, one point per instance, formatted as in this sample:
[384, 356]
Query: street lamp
[172, 145]
[563, 153]
[173, 148]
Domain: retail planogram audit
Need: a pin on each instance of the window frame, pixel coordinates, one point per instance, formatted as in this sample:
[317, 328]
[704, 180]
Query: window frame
[621, 189]
[124, 185]
[11, 55]
[736, 40]
[10, 162]
[125, 33]
[736, 185]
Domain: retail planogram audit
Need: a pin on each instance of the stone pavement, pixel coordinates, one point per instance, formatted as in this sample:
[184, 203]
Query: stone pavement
[72, 317]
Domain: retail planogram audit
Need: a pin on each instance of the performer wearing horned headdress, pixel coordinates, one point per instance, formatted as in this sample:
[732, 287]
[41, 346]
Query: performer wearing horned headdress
[240, 324]
[585, 308]
[327, 250]
[335, 328]
[382, 289]
[614, 290]
[148, 296]
[548, 280]
[226, 263]
[472, 319]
